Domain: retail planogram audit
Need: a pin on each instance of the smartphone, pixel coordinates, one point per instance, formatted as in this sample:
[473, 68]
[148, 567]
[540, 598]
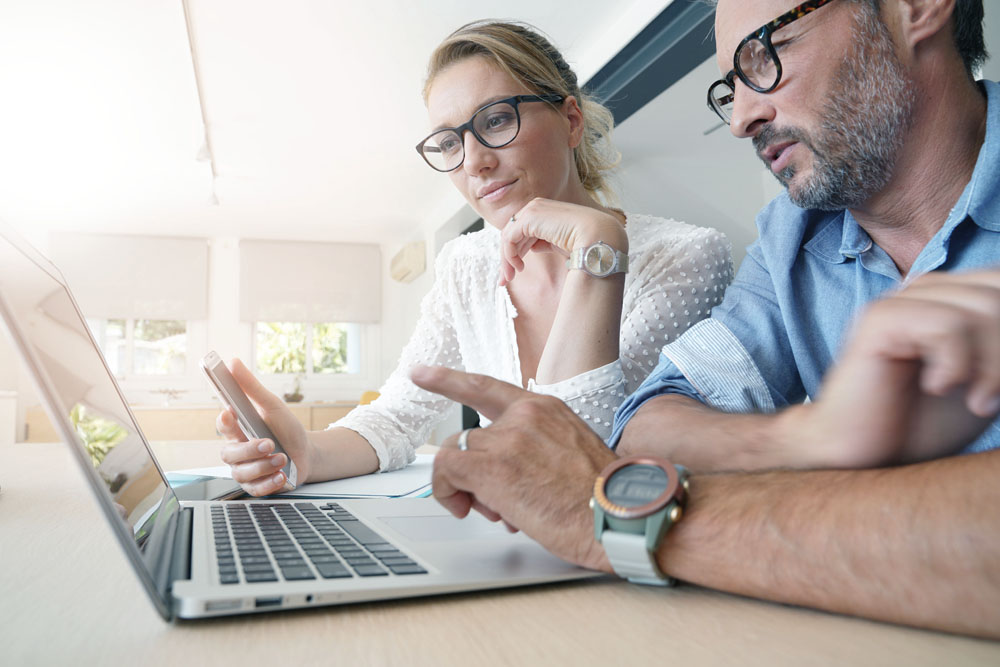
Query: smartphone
[230, 393]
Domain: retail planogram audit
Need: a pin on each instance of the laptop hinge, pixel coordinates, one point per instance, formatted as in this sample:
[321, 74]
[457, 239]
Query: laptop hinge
[180, 559]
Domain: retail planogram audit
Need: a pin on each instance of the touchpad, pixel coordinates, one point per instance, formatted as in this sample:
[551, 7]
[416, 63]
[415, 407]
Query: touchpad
[443, 527]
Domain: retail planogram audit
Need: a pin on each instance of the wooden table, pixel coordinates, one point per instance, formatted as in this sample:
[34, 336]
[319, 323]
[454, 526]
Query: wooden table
[67, 596]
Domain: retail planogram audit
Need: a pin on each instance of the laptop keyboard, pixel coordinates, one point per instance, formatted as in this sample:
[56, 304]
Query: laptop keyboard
[274, 542]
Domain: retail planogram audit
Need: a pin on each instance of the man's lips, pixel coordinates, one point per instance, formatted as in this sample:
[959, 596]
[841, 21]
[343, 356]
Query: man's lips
[494, 190]
[777, 156]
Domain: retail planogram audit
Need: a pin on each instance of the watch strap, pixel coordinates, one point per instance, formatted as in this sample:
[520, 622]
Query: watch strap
[632, 560]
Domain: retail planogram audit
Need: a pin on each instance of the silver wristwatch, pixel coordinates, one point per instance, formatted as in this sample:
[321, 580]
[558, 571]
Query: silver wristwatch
[599, 260]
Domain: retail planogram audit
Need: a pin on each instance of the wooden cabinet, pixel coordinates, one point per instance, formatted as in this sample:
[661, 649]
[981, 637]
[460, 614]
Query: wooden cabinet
[186, 422]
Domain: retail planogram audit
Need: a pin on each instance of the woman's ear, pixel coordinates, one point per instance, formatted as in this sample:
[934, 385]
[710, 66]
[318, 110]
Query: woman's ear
[571, 110]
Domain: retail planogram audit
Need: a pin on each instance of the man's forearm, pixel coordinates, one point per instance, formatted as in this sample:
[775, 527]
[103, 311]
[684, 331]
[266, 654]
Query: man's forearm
[916, 545]
[706, 440]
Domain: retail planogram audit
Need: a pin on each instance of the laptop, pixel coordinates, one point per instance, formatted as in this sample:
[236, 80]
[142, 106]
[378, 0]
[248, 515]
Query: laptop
[203, 558]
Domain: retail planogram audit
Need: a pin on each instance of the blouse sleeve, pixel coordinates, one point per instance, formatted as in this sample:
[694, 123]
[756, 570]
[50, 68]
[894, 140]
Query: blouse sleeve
[401, 418]
[678, 273]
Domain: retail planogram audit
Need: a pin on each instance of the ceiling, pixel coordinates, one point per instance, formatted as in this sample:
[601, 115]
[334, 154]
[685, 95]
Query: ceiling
[275, 120]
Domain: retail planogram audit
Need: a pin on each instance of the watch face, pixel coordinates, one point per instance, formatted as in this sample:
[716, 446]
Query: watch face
[636, 485]
[600, 259]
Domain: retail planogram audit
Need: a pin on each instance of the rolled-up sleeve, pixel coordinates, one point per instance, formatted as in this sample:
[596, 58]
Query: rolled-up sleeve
[719, 361]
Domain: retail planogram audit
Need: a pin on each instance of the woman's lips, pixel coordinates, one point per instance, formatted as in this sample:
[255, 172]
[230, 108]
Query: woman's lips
[495, 190]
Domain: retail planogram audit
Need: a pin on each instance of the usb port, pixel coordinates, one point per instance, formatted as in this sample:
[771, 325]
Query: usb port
[267, 602]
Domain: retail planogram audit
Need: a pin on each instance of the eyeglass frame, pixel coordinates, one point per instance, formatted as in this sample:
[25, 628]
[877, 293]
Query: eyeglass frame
[762, 35]
[514, 101]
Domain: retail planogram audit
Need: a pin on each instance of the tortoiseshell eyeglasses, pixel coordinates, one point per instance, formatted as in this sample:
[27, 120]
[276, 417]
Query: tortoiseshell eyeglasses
[755, 62]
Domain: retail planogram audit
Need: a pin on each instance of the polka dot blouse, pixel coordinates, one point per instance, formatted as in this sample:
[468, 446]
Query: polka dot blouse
[677, 273]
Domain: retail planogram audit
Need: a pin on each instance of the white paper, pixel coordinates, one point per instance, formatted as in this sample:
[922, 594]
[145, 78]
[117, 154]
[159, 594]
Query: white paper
[413, 480]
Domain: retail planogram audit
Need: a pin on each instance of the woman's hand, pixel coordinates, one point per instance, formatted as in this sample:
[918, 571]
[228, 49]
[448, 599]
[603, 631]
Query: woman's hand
[253, 462]
[546, 225]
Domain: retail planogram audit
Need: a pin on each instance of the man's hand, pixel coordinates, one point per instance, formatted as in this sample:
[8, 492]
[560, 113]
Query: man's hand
[534, 467]
[920, 376]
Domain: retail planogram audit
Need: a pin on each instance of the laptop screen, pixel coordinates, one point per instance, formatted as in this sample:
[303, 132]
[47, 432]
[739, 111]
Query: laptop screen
[85, 401]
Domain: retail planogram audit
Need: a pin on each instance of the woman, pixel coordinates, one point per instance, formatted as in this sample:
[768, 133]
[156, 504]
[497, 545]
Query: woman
[530, 153]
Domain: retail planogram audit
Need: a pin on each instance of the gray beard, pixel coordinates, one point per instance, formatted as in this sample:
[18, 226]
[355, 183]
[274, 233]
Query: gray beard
[866, 119]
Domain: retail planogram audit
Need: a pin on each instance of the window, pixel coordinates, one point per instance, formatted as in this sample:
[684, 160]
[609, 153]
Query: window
[302, 348]
[143, 347]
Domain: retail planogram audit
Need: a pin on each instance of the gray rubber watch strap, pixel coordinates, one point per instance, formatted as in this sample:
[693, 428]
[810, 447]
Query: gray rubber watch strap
[632, 560]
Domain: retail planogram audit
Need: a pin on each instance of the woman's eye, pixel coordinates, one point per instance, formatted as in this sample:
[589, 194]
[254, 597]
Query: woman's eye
[496, 121]
[450, 145]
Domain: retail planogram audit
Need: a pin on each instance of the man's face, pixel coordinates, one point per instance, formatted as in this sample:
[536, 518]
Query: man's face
[832, 128]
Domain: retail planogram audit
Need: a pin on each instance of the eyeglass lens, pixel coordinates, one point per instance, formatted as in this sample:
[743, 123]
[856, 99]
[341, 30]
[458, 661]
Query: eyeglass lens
[758, 69]
[722, 98]
[757, 65]
[495, 126]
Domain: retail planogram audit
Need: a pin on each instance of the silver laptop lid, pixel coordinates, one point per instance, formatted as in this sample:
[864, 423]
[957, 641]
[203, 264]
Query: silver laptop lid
[88, 409]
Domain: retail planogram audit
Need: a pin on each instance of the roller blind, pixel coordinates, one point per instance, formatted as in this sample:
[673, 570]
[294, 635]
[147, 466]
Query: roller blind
[140, 277]
[293, 281]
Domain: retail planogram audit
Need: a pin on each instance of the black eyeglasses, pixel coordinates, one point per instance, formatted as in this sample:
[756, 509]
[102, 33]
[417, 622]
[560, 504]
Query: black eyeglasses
[755, 62]
[494, 125]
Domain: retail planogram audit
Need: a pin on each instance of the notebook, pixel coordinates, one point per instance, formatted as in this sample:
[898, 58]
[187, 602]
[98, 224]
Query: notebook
[202, 558]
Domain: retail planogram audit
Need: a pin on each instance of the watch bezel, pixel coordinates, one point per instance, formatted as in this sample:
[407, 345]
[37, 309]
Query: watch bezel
[605, 247]
[674, 491]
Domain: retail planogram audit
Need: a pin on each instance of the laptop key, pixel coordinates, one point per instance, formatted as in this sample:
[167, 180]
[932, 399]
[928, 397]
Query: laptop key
[397, 561]
[383, 548]
[407, 569]
[256, 577]
[362, 533]
[285, 561]
[360, 560]
[297, 573]
[324, 559]
[370, 571]
[258, 567]
[229, 578]
[253, 560]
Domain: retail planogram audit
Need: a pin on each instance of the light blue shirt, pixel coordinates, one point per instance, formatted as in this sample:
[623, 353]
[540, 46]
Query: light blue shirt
[783, 320]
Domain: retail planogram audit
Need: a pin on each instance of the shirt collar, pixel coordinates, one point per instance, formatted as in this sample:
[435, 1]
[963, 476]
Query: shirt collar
[839, 238]
[980, 200]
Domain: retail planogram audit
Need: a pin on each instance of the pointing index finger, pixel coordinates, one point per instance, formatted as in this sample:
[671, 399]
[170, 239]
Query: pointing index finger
[487, 395]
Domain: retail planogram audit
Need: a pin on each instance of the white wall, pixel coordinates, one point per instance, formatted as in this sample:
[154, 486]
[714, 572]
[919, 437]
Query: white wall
[401, 301]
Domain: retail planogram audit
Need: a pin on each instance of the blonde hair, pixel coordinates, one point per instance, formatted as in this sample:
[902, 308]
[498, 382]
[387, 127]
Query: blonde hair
[520, 51]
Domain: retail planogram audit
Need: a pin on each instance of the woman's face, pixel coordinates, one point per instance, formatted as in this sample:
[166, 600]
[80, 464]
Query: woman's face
[498, 182]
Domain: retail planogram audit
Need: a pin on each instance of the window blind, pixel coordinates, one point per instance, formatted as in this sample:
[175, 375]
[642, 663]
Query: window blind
[294, 281]
[135, 277]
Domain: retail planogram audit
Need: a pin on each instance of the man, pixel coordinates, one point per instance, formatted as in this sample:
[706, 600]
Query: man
[867, 113]
[886, 123]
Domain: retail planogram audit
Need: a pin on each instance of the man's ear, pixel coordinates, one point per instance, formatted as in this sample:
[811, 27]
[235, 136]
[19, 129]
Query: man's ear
[573, 113]
[920, 20]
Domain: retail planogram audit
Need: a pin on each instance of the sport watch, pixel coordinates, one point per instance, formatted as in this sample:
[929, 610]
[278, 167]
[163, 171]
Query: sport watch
[599, 260]
[636, 501]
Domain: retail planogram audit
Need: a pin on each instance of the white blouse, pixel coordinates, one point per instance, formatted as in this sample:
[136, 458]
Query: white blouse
[677, 273]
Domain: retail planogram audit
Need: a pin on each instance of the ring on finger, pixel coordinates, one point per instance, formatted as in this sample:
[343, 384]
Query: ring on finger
[463, 440]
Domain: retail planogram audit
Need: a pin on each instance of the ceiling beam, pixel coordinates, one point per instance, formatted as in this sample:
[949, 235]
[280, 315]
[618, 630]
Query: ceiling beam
[679, 39]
